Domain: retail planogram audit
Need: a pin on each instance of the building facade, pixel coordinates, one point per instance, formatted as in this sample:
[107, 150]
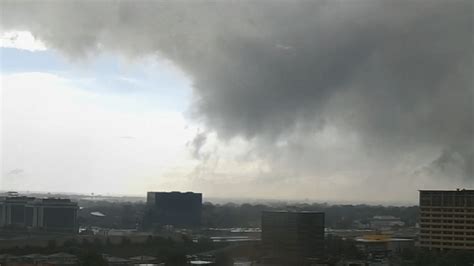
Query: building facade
[52, 214]
[174, 208]
[12, 211]
[447, 219]
[292, 237]
[385, 222]
[49, 214]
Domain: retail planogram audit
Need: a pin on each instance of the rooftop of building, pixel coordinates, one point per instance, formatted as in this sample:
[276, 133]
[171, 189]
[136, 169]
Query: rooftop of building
[7, 256]
[385, 217]
[173, 192]
[380, 238]
[447, 190]
[200, 262]
[51, 259]
[52, 201]
[61, 255]
[291, 211]
[383, 240]
[55, 200]
[143, 258]
[111, 259]
[15, 197]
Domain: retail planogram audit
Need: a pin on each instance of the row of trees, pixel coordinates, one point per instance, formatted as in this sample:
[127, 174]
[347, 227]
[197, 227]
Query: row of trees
[173, 252]
[90, 252]
[337, 216]
[130, 215]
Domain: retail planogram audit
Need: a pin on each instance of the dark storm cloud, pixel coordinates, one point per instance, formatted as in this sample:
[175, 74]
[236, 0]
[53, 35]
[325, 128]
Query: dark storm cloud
[395, 73]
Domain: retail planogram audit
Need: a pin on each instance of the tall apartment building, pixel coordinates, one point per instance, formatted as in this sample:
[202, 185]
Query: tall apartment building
[291, 238]
[447, 219]
[174, 208]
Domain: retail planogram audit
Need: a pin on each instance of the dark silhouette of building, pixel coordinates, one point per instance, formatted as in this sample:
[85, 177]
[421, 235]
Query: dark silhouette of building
[12, 211]
[447, 219]
[52, 214]
[174, 208]
[292, 238]
[49, 214]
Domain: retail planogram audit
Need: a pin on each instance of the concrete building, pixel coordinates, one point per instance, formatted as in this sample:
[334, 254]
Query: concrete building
[144, 261]
[292, 237]
[52, 214]
[174, 208]
[116, 261]
[385, 222]
[447, 219]
[21, 212]
[12, 211]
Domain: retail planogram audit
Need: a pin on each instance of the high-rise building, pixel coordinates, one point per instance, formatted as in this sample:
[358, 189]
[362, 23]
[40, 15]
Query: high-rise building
[174, 208]
[292, 237]
[52, 214]
[447, 219]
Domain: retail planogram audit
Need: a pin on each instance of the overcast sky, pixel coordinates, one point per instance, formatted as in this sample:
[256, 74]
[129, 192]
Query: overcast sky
[363, 100]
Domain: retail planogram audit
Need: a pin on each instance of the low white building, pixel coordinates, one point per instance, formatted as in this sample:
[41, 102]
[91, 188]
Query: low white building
[385, 222]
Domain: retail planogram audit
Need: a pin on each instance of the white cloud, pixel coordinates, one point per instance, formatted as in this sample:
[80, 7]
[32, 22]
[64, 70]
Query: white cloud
[67, 139]
[21, 40]
[59, 137]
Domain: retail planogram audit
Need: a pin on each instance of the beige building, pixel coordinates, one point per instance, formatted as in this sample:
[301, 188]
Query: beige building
[447, 219]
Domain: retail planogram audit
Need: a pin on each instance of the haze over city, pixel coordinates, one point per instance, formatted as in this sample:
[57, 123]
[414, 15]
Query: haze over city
[363, 101]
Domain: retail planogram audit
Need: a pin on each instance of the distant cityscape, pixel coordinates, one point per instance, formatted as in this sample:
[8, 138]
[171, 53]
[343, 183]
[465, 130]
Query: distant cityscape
[284, 236]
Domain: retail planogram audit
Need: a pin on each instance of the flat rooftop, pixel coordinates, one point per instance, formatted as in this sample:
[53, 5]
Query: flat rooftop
[446, 190]
[283, 211]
